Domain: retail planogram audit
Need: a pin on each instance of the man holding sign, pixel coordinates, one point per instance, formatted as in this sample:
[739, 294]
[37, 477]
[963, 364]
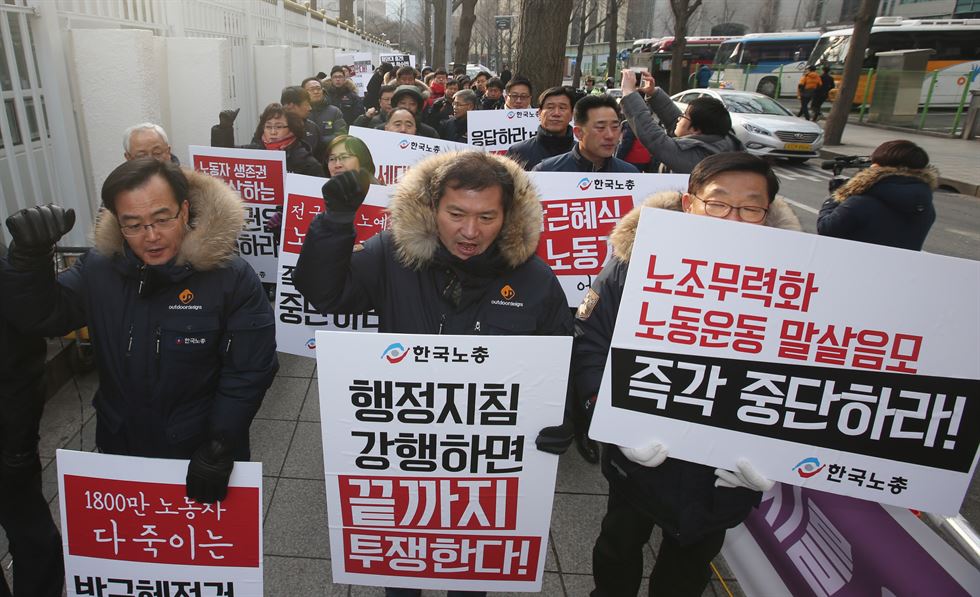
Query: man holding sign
[692, 503]
[458, 258]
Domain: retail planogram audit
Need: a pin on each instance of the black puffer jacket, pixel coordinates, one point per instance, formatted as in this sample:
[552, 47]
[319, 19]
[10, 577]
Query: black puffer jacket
[404, 272]
[346, 99]
[185, 350]
[330, 121]
[544, 145]
[680, 496]
[882, 206]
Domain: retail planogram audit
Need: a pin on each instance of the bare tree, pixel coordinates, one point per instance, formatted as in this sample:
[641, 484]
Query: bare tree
[541, 40]
[426, 54]
[837, 119]
[584, 34]
[346, 11]
[612, 32]
[765, 21]
[464, 33]
[682, 10]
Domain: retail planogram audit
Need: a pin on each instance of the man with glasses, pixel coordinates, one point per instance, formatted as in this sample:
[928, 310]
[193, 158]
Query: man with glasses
[454, 129]
[493, 96]
[327, 117]
[554, 133]
[185, 336]
[518, 93]
[693, 504]
[703, 130]
[597, 126]
[147, 140]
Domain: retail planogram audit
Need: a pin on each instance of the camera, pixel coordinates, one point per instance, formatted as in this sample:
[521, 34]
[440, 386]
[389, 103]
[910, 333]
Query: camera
[841, 163]
[638, 71]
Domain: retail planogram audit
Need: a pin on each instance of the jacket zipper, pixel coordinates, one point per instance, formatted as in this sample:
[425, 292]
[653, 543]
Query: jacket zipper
[129, 343]
[442, 322]
[142, 271]
[158, 334]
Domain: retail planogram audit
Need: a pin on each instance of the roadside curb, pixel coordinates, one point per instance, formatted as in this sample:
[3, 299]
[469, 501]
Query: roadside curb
[961, 186]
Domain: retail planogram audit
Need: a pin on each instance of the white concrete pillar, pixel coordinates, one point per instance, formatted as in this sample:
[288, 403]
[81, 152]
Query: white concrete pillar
[273, 71]
[322, 60]
[302, 63]
[198, 70]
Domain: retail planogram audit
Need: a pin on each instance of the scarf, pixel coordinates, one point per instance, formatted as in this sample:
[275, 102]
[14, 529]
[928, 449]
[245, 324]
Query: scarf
[462, 282]
[279, 145]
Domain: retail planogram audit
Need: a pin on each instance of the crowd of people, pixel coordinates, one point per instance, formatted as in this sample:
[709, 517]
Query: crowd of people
[164, 269]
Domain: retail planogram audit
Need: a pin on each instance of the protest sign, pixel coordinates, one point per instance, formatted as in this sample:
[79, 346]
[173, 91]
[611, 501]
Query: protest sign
[433, 479]
[399, 60]
[360, 62]
[257, 175]
[127, 529]
[579, 213]
[296, 318]
[809, 543]
[497, 130]
[394, 153]
[836, 365]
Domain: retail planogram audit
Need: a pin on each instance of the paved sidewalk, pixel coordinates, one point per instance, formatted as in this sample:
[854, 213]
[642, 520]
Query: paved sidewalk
[956, 159]
[286, 439]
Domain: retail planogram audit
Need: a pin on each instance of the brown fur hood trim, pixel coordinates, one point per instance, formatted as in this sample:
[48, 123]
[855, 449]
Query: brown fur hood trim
[622, 237]
[413, 214]
[867, 178]
[217, 216]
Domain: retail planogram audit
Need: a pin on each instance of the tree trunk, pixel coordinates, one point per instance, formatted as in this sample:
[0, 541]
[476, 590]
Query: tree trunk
[439, 33]
[580, 48]
[346, 10]
[612, 31]
[541, 41]
[461, 51]
[682, 9]
[834, 127]
[425, 58]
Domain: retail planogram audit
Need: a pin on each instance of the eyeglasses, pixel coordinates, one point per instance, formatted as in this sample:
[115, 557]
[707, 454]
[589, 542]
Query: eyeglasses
[275, 127]
[343, 157]
[461, 104]
[685, 117]
[519, 96]
[156, 154]
[158, 225]
[720, 209]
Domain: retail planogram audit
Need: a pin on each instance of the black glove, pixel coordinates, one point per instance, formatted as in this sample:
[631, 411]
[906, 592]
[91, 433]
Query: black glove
[345, 192]
[19, 468]
[208, 472]
[555, 439]
[34, 232]
[227, 117]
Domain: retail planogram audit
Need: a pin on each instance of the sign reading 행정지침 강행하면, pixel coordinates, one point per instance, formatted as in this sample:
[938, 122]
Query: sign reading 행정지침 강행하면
[258, 176]
[791, 351]
[296, 318]
[433, 479]
[129, 529]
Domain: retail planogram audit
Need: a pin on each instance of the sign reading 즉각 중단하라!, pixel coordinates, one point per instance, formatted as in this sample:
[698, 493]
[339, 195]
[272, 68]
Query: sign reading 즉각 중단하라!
[129, 529]
[841, 366]
[433, 479]
[296, 318]
[258, 176]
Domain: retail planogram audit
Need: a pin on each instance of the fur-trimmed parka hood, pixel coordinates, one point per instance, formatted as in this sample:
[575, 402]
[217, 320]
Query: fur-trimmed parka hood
[622, 237]
[413, 213]
[862, 182]
[216, 217]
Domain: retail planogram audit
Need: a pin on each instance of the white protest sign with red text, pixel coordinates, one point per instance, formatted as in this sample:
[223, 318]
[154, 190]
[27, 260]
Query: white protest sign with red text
[296, 318]
[128, 528]
[258, 176]
[836, 365]
[433, 478]
[395, 153]
[580, 211]
[399, 60]
[497, 130]
[360, 62]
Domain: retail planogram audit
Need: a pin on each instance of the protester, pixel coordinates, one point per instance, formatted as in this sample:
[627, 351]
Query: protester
[809, 84]
[889, 203]
[327, 117]
[827, 84]
[554, 133]
[693, 504]
[597, 127]
[518, 93]
[493, 95]
[342, 92]
[278, 130]
[373, 88]
[442, 108]
[632, 151]
[454, 129]
[375, 117]
[296, 100]
[407, 75]
[349, 154]
[187, 342]
[401, 120]
[590, 88]
[33, 539]
[437, 89]
[409, 97]
[703, 129]
[479, 84]
[505, 75]
[147, 140]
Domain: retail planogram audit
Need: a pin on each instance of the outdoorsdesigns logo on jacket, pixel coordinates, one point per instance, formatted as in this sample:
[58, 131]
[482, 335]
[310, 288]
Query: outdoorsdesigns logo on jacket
[186, 296]
[507, 292]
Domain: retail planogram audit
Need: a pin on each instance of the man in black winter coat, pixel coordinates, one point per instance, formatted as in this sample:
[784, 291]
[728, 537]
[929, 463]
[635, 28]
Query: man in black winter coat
[341, 92]
[597, 126]
[24, 515]
[327, 117]
[463, 226]
[186, 334]
[554, 133]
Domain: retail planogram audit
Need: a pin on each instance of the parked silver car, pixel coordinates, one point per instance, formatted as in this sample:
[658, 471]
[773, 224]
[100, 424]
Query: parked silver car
[763, 125]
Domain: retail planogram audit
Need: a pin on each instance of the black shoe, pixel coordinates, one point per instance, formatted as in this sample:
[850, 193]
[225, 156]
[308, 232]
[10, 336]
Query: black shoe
[588, 448]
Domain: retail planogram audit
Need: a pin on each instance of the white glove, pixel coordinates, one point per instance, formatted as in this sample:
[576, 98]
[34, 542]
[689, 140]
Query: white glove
[651, 455]
[746, 477]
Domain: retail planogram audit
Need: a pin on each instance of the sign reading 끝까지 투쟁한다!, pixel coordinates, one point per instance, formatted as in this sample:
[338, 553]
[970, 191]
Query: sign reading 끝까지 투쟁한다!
[128, 529]
[840, 366]
[258, 176]
[433, 479]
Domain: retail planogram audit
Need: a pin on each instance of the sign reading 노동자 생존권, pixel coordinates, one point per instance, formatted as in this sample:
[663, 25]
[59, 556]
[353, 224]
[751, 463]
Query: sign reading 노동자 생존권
[580, 211]
[432, 476]
[399, 60]
[395, 153]
[258, 176]
[296, 318]
[128, 528]
[497, 130]
[811, 357]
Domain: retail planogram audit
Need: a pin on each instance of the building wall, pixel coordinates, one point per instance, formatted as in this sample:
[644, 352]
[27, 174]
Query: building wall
[917, 8]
